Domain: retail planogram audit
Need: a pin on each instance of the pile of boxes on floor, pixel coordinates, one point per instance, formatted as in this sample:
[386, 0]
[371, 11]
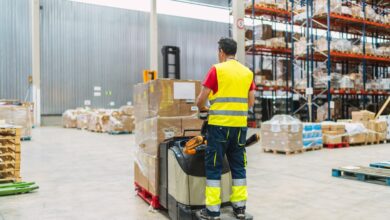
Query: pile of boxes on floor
[287, 134]
[100, 120]
[164, 108]
[10, 152]
[14, 112]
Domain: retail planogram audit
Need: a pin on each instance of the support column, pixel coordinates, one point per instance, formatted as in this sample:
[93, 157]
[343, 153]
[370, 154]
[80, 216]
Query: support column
[36, 60]
[239, 28]
[153, 36]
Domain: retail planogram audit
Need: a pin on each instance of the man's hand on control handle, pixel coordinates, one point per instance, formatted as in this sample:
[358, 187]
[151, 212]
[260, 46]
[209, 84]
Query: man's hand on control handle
[203, 113]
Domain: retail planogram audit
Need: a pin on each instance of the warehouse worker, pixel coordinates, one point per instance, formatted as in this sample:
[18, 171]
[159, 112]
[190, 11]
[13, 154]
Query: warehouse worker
[230, 89]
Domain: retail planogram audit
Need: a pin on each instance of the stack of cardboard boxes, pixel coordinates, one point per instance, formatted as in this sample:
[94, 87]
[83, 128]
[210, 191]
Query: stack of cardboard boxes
[163, 109]
[333, 133]
[10, 152]
[282, 133]
[364, 117]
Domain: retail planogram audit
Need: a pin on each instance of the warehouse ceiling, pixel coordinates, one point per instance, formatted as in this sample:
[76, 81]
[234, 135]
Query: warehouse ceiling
[212, 3]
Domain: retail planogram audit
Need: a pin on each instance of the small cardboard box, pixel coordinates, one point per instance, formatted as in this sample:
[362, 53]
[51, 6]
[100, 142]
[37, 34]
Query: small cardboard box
[362, 116]
[332, 139]
[358, 138]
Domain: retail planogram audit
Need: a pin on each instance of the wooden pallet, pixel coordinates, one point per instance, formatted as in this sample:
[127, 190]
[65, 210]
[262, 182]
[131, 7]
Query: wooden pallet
[339, 145]
[286, 152]
[366, 174]
[312, 148]
[383, 165]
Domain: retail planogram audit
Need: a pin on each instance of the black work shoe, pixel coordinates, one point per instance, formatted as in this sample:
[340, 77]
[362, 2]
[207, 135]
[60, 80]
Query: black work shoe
[205, 215]
[239, 213]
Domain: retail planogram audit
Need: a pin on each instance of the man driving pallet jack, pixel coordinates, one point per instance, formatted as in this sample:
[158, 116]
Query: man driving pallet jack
[192, 168]
[230, 89]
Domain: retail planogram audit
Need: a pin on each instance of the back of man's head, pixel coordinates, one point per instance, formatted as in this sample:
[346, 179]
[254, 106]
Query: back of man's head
[228, 46]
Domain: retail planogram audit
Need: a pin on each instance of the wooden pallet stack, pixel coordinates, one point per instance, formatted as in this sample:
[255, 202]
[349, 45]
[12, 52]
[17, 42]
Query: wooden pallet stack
[10, 153]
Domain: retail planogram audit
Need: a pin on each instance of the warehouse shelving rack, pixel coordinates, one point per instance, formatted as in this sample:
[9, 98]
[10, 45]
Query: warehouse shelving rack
[256, 12]
[330, 22]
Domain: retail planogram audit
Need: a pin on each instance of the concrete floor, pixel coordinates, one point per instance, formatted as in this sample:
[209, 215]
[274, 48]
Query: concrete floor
[84, 175]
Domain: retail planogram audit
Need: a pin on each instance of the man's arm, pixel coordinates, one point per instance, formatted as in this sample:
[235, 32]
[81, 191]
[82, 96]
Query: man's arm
[201, 100]
[251, 98]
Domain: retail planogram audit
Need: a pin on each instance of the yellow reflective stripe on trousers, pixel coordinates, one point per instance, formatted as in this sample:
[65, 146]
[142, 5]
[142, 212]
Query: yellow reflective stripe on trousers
[213, 197]
[239, 194]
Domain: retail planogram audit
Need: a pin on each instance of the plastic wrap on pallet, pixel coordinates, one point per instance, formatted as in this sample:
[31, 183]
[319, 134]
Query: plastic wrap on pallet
[357, 11]
[83, 119]
[17, 115]
[69, 118]
[151, 132]
[282, 132]
[346, 83]
[127, 110]
[99, 121]
[276, 42]
[165, 98]
[146, 171]
[387, 119]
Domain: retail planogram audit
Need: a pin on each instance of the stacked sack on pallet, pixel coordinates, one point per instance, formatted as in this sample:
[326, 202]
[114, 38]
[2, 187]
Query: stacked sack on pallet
[282, 133]
[163, 109]
[18, 114]
[312, 135]
[100, 120]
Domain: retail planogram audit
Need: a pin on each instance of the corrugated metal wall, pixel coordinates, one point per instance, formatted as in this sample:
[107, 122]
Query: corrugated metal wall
[197, 40]
[83, 46]
[15, 48]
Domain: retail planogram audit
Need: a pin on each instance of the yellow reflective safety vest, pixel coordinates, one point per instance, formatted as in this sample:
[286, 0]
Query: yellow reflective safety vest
[229, 106]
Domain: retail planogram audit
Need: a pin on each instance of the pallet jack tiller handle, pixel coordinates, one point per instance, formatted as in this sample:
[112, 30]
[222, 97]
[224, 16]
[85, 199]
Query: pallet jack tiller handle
[199, 143]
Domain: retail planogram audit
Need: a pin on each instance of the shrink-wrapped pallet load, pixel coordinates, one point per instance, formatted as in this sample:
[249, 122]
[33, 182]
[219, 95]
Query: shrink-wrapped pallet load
[170, 110]
[282, 133]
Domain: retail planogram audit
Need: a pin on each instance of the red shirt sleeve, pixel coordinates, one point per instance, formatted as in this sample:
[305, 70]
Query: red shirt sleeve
[211, 81]
[253, 86]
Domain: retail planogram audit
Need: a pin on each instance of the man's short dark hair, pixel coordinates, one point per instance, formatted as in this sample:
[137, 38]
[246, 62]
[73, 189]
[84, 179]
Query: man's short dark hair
[228, 46]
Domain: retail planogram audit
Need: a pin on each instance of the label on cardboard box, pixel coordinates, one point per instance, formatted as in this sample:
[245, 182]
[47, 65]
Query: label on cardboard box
[194, 108]
[169, 134]
[184, 90]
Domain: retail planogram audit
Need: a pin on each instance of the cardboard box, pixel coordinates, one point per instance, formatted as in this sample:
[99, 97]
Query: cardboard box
[146, 172]
[172, 98]
[371, 137]
[151, 132]
[141, 101]
[332, 139]
[381, 136]
[358, 138]
[377, 125]
[362, 116]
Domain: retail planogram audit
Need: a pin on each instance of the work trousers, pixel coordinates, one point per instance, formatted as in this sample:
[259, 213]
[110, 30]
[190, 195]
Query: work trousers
[229, 141]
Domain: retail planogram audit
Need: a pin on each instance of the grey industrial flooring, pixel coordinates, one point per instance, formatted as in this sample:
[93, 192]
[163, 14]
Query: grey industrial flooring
[84, 175]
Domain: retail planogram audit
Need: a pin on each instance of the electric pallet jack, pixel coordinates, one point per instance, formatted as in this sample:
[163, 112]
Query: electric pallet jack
[183, 179]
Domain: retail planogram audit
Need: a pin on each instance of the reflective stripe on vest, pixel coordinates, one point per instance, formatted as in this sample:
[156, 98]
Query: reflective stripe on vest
[222, 100]
[228, 113]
